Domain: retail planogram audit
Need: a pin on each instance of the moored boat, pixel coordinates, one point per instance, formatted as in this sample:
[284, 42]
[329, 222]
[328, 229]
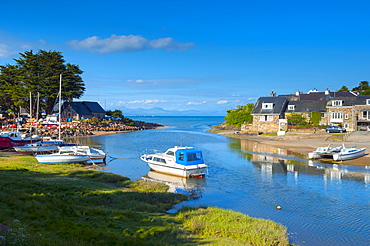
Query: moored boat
[93, 153]
[349, 153]
[180, 161]
[9, 139]
[60, 158]
[324, 152]
[36, 148]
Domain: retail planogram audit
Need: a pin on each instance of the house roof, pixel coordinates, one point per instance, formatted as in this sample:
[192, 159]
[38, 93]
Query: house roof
[350, 101]
[279, 105]
[94, 107]
[85, 108]
[307, 106]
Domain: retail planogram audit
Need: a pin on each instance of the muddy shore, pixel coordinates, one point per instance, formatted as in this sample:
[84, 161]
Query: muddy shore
[303, 143]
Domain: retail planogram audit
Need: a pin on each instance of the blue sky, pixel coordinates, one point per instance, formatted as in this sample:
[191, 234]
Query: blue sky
[208, 56]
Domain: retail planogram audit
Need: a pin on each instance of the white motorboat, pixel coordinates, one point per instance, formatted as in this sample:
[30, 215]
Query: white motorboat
[349, 153]
[324, 152]
[180, 161]
[37, 148]
[93, 153]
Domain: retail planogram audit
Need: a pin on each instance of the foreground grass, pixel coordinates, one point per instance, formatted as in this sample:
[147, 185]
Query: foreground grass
[70, 205]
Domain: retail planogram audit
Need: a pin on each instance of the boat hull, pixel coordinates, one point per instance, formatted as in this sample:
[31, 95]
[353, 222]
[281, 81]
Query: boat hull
[349, 155]
[6, 143]
[25, 150]
[178, 170]
[63, 159]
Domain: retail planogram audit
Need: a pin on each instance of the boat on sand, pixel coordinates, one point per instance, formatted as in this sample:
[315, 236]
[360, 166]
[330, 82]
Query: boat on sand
[324, 152]
[349, 153]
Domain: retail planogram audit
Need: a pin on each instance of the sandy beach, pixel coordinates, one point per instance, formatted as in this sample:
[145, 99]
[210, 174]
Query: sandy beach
[304, 143]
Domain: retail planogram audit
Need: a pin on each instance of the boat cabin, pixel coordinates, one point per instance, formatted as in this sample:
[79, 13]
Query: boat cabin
[189, 157]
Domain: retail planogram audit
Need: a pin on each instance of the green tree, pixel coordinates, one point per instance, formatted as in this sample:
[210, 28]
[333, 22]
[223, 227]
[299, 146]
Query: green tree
[39, 73]
[363, 88]
[296, 119]
[239, 116]
[344, 89]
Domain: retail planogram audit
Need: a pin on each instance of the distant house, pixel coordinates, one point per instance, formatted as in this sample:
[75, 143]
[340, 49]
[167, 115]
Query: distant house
[267, 112]
[80, 110]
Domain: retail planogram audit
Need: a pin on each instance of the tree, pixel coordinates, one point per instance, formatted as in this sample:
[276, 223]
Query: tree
[39, 73]
[296, 119]
[363, 88]
[239, 116]
[344, 89]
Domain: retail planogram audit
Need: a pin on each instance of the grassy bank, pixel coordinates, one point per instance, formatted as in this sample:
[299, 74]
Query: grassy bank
[71, 205]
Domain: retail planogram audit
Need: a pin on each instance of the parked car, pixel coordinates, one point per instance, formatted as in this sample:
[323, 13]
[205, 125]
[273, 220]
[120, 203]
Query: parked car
[331, 129]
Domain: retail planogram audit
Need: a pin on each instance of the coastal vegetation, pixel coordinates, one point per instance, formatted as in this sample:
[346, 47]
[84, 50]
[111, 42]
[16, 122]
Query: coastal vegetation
[73, 205]
[239, 116]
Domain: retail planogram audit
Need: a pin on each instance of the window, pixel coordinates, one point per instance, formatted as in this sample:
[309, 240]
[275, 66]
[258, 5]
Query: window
[346, 116]
[336, 115]
[170, 153]
[366, 115]
[267, 105]
[291, 107]
[266, 118]
[346, 126]
[367, 101]
[336, 103]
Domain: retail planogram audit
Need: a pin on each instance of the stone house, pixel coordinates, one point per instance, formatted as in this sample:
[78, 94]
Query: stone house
[267, 113]
[350, 112]
[80, 110]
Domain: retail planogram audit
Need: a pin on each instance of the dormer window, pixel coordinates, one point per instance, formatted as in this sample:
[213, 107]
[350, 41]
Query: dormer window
[337, 103]
[291, 107]
[267, 105]
[367, 101]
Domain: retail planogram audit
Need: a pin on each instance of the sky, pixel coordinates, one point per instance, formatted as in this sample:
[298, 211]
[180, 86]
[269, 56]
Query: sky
[208, 56]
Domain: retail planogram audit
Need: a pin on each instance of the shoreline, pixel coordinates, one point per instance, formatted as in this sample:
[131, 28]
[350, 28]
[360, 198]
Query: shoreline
[303, 143]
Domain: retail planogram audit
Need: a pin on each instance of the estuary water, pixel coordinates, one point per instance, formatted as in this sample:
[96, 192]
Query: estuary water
[322, 204]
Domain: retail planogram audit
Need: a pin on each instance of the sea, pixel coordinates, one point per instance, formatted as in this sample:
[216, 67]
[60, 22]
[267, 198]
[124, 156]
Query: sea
[321, 204]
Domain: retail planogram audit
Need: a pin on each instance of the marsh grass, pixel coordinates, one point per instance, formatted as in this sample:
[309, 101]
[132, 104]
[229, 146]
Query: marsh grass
[71, 205]
[232, 228]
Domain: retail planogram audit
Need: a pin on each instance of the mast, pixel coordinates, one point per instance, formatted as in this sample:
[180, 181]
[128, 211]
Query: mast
[60, 106]
[30, 106]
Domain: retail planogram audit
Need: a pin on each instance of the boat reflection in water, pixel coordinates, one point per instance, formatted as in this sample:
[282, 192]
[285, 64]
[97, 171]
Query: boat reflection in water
[272, 160]
[192, 187]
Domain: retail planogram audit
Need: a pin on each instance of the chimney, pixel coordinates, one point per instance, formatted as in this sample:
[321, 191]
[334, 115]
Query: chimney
[327, 92]
[272, 94]
[297, 93]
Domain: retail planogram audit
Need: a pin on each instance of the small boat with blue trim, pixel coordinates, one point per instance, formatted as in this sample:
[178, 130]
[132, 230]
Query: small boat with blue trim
[349, 153]
[180, 161]
[324, 152]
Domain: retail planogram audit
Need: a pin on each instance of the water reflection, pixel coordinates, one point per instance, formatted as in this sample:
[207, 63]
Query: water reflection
[193, 187]
[272, 160]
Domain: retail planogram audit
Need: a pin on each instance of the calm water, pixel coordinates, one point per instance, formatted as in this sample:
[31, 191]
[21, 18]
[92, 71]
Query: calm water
[322, 204]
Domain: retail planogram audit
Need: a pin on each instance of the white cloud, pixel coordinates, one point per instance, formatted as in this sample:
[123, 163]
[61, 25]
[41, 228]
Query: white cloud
[123, 43]
[222, 102]
[147, 101]
[6, 51]
[196, 103]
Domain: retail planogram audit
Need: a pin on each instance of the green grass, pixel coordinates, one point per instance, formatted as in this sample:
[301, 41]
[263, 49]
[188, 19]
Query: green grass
[226, 227]
[71, 205]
